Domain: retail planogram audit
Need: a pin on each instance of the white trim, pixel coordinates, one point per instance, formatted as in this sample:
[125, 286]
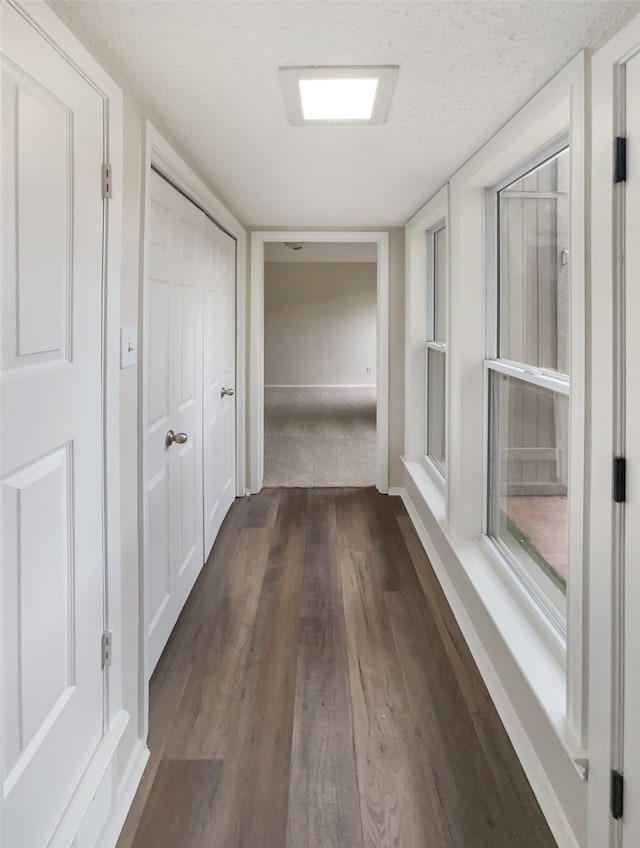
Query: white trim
[320, 385]
[603, 531]
[256, 338]
[157, 152]
[124, 796]
[434, 214]
[542, 788]
[396, 491]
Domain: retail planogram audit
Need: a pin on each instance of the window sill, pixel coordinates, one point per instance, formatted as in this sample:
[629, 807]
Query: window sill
[430, 485]
[536, 647]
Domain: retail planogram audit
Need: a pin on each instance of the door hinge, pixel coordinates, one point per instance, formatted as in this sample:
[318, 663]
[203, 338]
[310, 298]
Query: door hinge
[621, 159]
[107, 639]
[617, 794]
[106, 182]
[619, 479]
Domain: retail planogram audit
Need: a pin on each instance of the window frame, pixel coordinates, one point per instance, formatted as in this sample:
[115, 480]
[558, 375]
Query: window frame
[556, 111]
[430, 340]
[432, 484]
[546, 378]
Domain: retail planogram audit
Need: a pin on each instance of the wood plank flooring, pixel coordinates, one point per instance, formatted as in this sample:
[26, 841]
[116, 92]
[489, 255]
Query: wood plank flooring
[317, 693]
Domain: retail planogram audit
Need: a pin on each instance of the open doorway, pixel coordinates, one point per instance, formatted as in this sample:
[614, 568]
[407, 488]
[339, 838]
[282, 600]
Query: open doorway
[320, 364]
[323, 413]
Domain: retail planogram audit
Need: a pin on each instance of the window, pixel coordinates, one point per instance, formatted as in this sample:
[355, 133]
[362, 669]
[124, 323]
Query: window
[436, 348]
[528, 380]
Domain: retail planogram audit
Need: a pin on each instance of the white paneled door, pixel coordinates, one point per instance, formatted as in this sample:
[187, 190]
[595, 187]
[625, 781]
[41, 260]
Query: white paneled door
[188, 423]
[219, 378]
[173, 402]
[631, 760]
[51, 440]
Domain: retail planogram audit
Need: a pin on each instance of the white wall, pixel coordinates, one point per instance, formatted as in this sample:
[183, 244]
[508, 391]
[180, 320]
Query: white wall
[320, 323]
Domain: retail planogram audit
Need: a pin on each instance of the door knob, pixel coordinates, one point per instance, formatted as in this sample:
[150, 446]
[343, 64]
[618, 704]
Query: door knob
[179, 438]
[230, 392]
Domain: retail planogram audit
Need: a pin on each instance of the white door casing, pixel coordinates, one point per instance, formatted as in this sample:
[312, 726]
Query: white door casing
[172, 401]
[219, 378]
[256, 334]
[631, 755]
[51, 464]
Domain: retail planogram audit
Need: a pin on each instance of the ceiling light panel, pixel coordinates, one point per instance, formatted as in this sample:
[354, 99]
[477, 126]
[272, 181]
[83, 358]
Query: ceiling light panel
[338, 95]
[338, 99]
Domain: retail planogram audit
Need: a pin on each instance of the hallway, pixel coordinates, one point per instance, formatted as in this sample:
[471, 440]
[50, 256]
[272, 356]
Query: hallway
[317, 692]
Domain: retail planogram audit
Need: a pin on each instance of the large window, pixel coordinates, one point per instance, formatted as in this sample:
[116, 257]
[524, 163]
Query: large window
[528, 375]
[436, 348]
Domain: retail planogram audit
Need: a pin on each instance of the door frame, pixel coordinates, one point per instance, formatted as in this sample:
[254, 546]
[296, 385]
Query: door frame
[115, 719]
[606, 591]
[256, 381]
[158, 154]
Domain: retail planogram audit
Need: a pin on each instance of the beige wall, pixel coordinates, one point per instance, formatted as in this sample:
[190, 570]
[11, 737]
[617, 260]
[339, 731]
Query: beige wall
[320, 323]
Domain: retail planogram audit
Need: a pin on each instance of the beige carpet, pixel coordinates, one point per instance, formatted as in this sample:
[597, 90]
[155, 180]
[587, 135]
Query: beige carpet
[319, 437]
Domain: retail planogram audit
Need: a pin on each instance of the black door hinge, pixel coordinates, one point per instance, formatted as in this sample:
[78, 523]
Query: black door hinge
[617, 795]
[621, 159]
[619, 479]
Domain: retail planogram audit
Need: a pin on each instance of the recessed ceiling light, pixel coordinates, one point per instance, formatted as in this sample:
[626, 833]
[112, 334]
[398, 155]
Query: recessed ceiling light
[337, 99]
[338, 95]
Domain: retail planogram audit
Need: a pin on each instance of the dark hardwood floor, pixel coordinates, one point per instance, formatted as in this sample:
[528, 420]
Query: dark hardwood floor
[317, 692]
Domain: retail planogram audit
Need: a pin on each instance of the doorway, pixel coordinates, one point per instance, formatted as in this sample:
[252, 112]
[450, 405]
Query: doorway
[320, 353]
[363, 403]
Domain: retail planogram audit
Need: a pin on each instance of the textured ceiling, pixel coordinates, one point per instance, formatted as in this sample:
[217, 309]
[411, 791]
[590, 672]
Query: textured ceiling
[209, 72]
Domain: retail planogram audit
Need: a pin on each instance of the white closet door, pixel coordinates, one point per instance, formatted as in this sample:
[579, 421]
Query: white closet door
[631, 765]
[219, 379]
[172, 402]
[51, 435]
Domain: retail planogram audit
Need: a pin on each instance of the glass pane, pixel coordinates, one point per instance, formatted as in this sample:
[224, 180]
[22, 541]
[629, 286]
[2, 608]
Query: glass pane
[533, 215]
[439, 284]
[528, 495]
[436, 406]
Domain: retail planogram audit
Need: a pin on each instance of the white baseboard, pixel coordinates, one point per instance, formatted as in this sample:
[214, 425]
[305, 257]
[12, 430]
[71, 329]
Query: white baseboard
[397, 491]
[320, 386]
[536, 775]
[125, 795]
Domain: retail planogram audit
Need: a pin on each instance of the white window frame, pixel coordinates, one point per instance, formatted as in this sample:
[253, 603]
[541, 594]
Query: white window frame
[554, 667]
[545, 378]
[431, 217]
[432, 344]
